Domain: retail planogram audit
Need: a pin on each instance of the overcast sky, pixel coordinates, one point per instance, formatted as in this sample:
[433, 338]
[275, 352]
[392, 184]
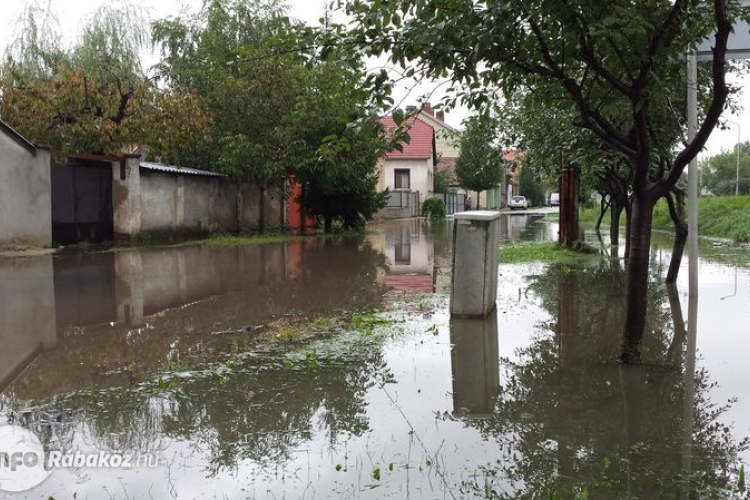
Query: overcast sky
[73, 13]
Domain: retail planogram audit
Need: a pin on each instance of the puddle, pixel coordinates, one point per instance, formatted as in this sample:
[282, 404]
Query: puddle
[331, 369]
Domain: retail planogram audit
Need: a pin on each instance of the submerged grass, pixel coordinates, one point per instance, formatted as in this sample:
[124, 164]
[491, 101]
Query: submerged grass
[540, 252]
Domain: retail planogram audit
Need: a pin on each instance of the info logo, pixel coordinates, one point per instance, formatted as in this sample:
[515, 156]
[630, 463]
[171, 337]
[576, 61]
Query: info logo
[22, 464]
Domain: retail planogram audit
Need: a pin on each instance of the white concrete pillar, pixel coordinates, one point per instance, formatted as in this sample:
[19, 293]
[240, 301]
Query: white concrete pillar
[126, 197]
[476, 241]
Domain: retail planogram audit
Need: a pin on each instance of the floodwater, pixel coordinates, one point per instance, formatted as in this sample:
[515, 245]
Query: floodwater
[331, 369]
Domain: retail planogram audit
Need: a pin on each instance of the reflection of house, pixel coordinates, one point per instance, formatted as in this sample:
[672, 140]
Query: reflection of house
[24, 190]
[409, 174]
[410, 257]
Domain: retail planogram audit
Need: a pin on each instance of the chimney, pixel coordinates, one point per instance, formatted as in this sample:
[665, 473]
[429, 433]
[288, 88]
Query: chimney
[427, 108]
[441, 115]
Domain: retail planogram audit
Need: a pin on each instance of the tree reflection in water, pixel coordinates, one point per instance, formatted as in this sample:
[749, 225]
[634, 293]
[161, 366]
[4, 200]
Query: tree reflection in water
[572, 422]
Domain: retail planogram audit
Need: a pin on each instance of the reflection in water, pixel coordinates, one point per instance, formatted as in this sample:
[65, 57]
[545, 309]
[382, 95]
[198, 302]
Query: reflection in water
[126, 314]
[27, 313]
[583, 425]
[516, 228]
[162, 349]
[475, 366]
[410, 256]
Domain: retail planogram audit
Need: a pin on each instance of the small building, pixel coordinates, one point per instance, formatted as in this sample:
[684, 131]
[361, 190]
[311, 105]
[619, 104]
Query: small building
[409, 174]
[24, 190]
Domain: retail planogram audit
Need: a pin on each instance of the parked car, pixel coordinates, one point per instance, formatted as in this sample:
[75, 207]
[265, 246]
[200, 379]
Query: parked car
[554, 200]
[518, 202]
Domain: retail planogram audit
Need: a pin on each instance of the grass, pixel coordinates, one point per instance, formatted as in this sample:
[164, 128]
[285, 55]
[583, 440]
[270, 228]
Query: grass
[718, 216]
[540, 252]
[230, 240]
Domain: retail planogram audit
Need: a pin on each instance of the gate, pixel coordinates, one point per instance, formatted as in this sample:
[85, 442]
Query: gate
[454, 202]
[82, 202]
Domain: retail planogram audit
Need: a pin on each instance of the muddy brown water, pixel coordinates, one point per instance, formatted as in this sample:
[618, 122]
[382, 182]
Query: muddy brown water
[331, 369]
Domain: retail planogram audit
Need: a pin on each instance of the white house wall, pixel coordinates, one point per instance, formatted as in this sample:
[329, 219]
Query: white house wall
[421, 175]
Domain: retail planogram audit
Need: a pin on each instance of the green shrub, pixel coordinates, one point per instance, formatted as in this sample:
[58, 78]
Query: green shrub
[434, 209]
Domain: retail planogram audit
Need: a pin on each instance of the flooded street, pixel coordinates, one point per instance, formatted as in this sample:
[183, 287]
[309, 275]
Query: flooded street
[330, 368]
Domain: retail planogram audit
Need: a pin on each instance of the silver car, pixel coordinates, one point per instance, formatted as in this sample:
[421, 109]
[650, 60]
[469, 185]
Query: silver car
[518, 202]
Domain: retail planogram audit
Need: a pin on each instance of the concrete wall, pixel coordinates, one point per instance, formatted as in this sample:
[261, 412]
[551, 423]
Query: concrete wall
[25, 200]
[421, 173]
[201, 204]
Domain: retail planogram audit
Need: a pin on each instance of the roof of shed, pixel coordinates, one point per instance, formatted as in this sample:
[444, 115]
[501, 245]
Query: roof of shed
[171, 169]
[422, 139]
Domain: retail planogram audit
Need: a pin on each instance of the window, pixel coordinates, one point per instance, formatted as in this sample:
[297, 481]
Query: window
[402, 178]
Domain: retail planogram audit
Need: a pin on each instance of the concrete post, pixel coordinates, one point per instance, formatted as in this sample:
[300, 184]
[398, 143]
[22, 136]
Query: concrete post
[474, 278]
[475, 365]
[126, 197]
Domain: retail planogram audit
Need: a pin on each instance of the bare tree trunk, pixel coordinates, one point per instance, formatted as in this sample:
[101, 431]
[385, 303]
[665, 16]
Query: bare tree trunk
[605, 205]
[262, 210]
[614, 225]
[637, 279]
[628, 224]
[677, 212]
[302, 212]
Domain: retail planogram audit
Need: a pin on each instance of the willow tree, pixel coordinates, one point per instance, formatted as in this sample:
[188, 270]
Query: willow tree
[93, 96]
[596, 53]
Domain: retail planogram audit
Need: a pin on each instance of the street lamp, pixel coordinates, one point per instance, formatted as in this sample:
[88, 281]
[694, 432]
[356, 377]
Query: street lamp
[737, 181]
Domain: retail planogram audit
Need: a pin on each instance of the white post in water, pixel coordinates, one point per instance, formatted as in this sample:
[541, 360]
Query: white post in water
[476, 237]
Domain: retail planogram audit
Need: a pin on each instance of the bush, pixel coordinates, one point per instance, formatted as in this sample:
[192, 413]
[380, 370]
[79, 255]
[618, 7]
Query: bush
[434, 208]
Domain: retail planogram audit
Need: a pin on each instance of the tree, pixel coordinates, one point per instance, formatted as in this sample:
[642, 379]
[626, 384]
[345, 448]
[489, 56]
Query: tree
[618, 63]
[719, 172]
[279, 108]
[530, 187]
[480, 162]
[93, 97]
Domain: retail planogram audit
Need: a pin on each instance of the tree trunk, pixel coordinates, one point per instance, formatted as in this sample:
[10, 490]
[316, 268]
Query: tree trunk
[569, 206]
[637, 279]
[614, 225]
[302, 212]
[677, 212]
[602, 212]
[328, 224]
[478, 200]
[262, 210]
[628, 224]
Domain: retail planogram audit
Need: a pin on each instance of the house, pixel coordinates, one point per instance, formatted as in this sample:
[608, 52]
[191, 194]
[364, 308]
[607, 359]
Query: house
[409, 174]
[24, 190]
[498, 196]
[448, 151]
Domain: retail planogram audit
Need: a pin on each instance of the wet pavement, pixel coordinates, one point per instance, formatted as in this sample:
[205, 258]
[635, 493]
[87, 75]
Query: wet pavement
[330, 368]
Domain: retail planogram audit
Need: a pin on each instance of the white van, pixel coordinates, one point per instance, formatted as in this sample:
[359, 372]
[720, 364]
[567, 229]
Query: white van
[554, 200]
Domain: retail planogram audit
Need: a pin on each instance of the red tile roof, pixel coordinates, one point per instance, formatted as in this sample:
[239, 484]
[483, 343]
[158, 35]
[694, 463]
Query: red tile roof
[422, 141]
[514, 155]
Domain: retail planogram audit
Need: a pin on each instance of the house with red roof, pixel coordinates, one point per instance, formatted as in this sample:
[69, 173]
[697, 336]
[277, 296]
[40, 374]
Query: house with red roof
[409, 174]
